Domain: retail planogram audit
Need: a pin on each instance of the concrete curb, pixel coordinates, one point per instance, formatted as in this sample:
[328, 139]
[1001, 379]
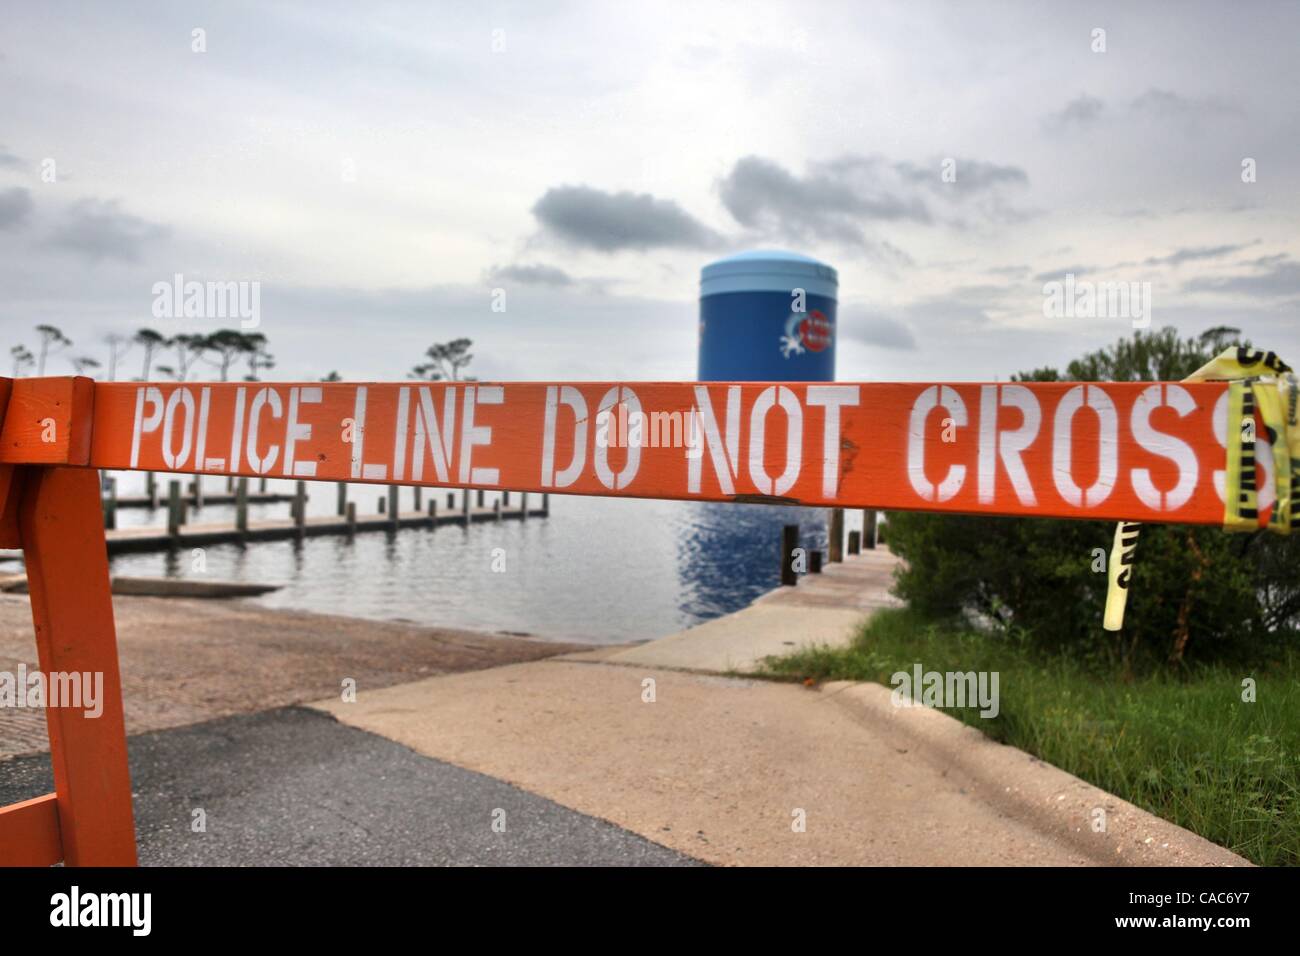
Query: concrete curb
[160, 587]
[1057, 802]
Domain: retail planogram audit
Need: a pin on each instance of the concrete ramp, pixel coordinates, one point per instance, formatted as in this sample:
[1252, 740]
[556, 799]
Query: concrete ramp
[741, 771]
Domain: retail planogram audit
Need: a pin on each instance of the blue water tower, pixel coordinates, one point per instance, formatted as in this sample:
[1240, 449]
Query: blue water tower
[767, 316]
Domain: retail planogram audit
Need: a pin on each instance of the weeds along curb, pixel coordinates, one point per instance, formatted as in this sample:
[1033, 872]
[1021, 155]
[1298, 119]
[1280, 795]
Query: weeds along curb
[1049, 799]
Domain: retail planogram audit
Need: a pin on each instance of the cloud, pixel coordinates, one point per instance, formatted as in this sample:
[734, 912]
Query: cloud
[1179, 256]
[15, 207]
[99, 229]
[1010, 272]
[1167, 105]
[837, 200]
[1084, 110]
[610, 222]
[1275, 280]
[1058, 275]
[1081, 111]
[532, 275]
[1268, 260]
[829, 203]
[8, 159]
[970, 176]
[876, 330]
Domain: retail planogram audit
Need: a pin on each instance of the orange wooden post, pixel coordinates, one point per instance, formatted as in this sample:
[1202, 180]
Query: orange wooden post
[72, 609]
[29, 833]
[50, 507]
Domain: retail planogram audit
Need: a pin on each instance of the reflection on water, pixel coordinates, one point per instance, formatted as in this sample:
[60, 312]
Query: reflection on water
[598, 569]
[727, 555]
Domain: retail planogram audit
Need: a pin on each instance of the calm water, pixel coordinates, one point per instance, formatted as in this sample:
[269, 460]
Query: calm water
[598, 569]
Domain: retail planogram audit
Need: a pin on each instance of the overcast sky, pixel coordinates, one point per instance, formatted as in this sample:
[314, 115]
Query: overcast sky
[381, 168]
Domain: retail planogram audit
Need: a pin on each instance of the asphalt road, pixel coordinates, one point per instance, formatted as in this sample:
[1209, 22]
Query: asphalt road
[292, 786]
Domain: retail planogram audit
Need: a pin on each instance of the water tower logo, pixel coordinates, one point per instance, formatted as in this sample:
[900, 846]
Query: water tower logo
[806, 332]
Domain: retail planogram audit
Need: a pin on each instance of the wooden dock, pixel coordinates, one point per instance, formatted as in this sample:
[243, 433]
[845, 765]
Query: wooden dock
[192, 494]
[179, 532]
[220, 498]
[124, 540]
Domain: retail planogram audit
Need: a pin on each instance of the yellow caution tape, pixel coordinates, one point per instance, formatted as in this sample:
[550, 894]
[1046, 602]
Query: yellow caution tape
[1263, 393]
[1120, 573]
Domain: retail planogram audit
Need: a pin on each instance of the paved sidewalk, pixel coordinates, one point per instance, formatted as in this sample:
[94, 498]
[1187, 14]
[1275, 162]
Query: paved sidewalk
[725, 769]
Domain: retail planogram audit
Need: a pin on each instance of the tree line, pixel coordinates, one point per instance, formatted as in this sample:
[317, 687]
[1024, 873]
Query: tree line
[175, 357]
[227, 351]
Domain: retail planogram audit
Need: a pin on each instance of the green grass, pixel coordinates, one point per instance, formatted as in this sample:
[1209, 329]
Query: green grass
[1185, 747]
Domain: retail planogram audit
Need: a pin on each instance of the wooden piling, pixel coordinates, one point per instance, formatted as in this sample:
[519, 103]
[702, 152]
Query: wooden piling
[352, 517]
[241, 506]
[496, 508]
[869, 528]
[451, 500]
[789, 542]
[343, 498]
[523, 505]
[300, 507]
[835, 536]
[815, 561]
[175, 509]
[418, 506]
[855, 539]
[110, 503]
[465, 504]
[433, 512]
[394, 510]
[480, 497]
[261, 485]
[151, 488]
[382, 504]
[198, 492]
[546, 505]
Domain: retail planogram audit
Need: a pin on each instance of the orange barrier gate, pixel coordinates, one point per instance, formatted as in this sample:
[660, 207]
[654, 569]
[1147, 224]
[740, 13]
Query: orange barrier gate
[1137, 451]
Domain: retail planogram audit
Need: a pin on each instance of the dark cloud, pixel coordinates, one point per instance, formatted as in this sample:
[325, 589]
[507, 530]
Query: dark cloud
[9, 160]
[828, 203]
[610, 222]
[970, 176]
[532, 275]
[1179, 256]
[837, 200]
[1081, 111]
[99, 229]
[15, 207]
[1274, 280]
